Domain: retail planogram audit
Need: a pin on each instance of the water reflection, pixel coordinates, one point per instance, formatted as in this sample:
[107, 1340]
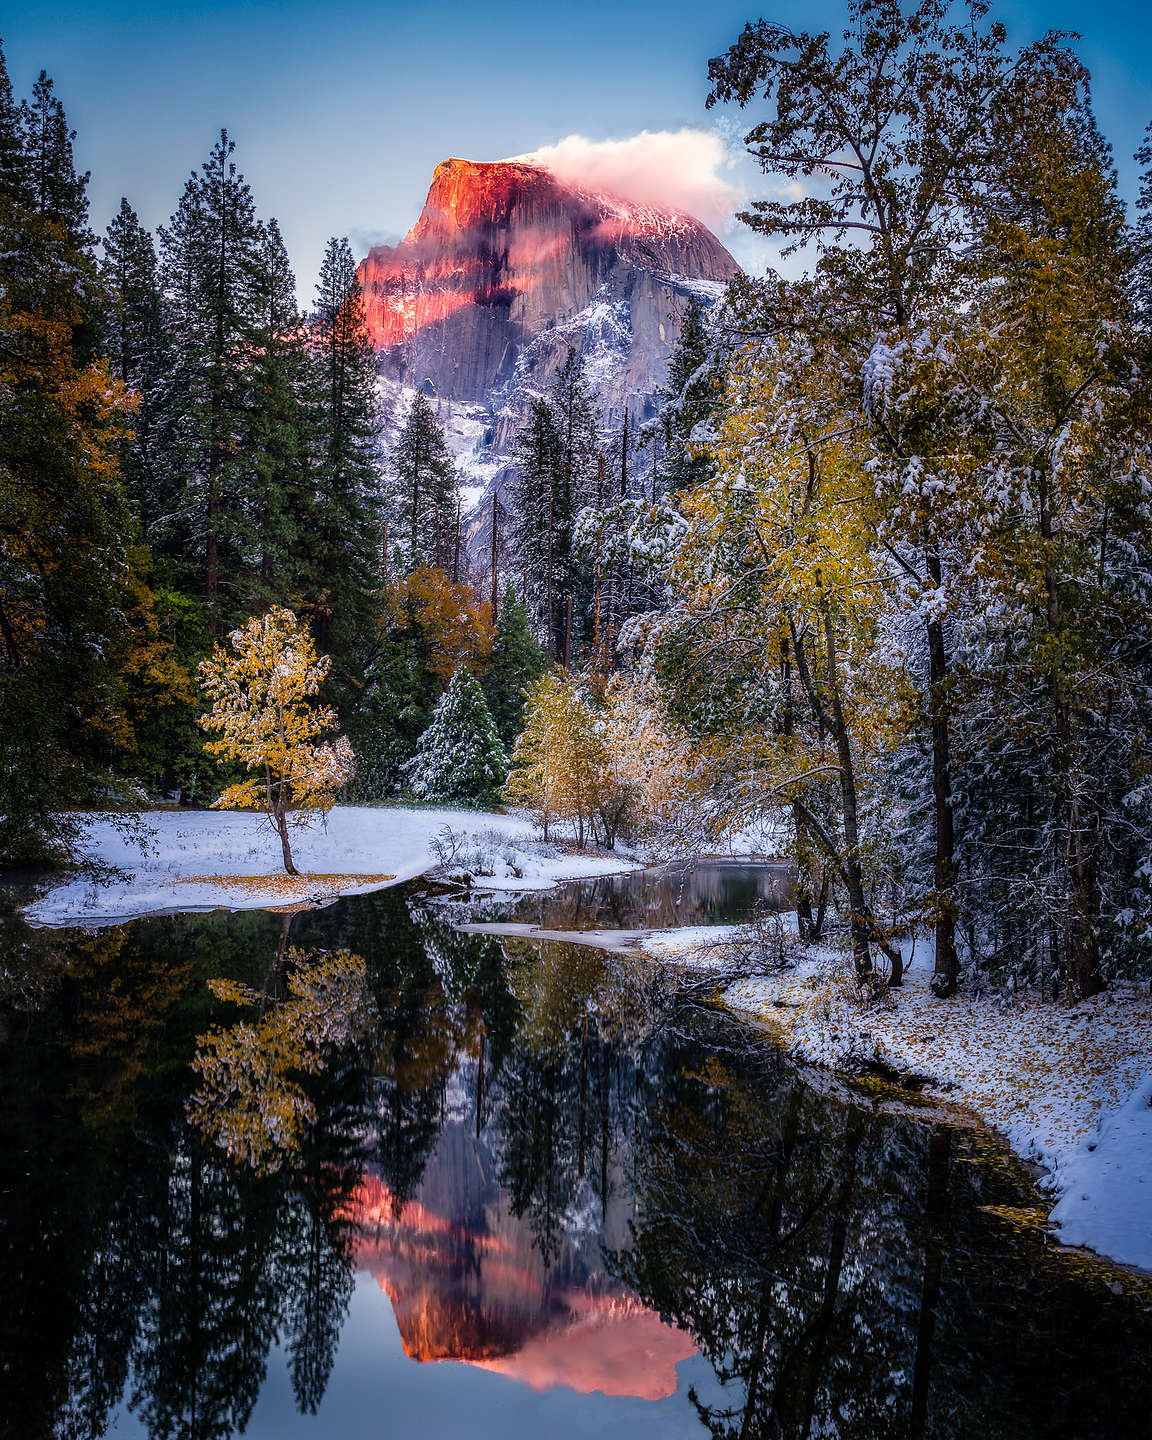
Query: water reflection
[708, 892]
[552, 1170]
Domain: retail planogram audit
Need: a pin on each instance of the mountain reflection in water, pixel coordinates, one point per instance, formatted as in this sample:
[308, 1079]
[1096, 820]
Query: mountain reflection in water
[473, 1287]
[625, 1214]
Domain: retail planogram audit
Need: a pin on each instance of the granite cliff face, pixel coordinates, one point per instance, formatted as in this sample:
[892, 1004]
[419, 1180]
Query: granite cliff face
[507, 267]
[505, 271]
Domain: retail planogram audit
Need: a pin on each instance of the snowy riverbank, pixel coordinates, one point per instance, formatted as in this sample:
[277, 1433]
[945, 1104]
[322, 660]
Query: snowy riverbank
[211, 859]
[1069, 1087]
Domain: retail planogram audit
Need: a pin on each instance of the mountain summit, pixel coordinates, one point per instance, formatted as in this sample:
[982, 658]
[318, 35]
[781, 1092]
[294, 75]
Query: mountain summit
[507, 266]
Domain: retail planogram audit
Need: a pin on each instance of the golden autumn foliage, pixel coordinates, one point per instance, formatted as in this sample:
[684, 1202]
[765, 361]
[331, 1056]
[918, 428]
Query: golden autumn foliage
[562, 768]
[265, 717]
[249, 1099]
[454, 626]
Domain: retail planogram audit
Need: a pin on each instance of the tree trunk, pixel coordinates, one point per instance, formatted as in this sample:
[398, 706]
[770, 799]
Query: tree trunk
[803, 865]
[1082, 899]
[282, 830]
[853, 877]
[946, 969]
[864, 925]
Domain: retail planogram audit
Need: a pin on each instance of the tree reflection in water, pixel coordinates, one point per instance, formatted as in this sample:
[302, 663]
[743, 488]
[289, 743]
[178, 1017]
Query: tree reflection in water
[469, 1122]
[847, 1272]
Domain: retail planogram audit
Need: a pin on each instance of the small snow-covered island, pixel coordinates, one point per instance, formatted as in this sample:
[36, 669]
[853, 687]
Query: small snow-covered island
[576, 797]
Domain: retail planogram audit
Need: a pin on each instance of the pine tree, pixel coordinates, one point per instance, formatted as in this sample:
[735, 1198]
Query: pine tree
[280, 437]
[535, 514]
[1143, 232]
[690, 395]
[345, 546]
[422, 503]
[58, 193]
[210, 267]
[68, 574]
[135, 343]
[559, 469]
[460, 759]
[517, 661]
[574, 410]
[14, 177]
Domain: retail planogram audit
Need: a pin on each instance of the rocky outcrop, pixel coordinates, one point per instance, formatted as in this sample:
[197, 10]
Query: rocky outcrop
[506, 267]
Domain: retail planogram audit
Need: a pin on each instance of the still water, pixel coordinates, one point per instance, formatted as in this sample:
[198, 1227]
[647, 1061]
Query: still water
[351, 1173]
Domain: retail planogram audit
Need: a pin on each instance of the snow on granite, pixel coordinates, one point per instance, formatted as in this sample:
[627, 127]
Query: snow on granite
[204, 860]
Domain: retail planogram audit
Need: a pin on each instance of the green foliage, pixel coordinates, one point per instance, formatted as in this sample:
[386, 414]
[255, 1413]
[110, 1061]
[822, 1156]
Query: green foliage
[421, 509]
[459, 759]
[559, 472]
[69, 571]
[516, 661]
[691, 395]
[342, 538]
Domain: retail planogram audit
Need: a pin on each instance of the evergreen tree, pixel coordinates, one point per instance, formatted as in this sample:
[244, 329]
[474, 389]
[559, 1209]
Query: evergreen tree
[422, 506]
[344, 544]
[517, 661]
[210, 269]
[1142, 234]
[460, 759]
[560, 471]
[58, 193]
[428, 627]
[68, 574]
[14, 177]
[134, 341]
[690, 396]
[574, 409]
[280, 432]
[534, 497]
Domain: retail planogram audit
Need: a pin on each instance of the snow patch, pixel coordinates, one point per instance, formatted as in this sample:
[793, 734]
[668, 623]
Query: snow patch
[212, 859]
[1068, 1087]
[1107, 1201]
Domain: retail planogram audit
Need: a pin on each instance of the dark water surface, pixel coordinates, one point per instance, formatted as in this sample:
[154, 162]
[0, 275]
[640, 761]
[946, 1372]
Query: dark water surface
[350, 1173]
[701, 892]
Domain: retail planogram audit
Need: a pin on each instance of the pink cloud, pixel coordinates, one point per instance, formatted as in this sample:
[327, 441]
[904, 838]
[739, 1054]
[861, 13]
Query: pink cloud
[677, 169]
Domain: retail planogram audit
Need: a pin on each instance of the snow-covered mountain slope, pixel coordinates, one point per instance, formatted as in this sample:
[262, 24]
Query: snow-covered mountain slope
[504, 272]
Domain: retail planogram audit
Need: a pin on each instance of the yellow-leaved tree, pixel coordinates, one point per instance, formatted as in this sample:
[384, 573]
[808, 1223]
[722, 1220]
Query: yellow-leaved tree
[562, 768]
[264, 715]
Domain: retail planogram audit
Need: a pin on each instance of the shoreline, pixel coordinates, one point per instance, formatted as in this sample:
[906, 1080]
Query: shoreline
[1069, 1088]
[203, 860]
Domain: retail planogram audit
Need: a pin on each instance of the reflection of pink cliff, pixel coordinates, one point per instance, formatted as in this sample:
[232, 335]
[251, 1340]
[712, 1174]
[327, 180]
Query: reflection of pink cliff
[503, 253]
[466, 1283]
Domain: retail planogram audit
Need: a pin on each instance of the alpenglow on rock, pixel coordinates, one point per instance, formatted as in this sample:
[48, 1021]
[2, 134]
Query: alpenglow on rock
[507, 267]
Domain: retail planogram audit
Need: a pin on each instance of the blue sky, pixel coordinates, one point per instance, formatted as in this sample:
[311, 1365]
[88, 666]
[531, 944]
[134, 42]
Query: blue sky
[340, 112]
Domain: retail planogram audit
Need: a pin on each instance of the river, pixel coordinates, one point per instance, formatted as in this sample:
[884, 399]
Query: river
[351, 1173]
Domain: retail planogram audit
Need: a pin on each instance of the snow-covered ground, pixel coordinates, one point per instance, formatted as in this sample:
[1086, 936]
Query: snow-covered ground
[1069, 1087]
[204, 860]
